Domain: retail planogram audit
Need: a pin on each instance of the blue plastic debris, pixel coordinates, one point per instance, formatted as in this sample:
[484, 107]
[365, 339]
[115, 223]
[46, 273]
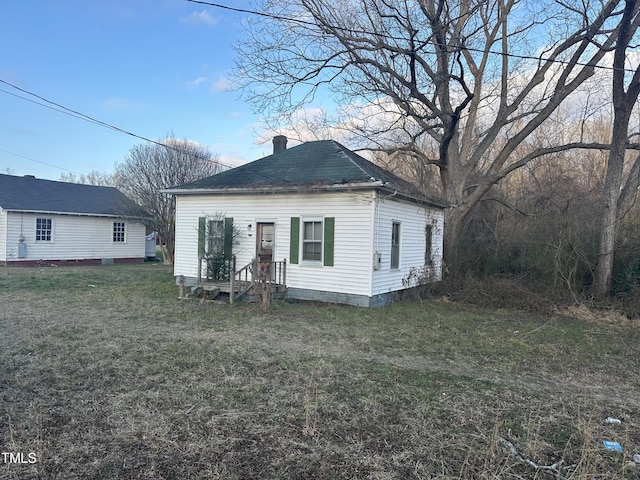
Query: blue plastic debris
[615, 446]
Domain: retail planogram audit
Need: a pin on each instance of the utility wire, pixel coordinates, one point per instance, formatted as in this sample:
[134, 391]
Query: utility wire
[59, 110]
[253, 12]
[74, 113]
[39, 161]
[384, 35]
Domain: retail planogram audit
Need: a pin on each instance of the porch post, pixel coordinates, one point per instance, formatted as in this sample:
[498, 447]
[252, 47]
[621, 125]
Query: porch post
[232, 279]
[284, 272]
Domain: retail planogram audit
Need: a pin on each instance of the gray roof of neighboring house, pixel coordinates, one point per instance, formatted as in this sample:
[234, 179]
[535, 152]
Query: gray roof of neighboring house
[29, 194]
[312, 164]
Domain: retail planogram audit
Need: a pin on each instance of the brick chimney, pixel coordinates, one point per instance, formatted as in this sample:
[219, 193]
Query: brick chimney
[279, 144]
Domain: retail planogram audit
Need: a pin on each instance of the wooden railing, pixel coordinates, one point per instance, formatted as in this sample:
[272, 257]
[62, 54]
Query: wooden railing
[256, 272]
[241, 281]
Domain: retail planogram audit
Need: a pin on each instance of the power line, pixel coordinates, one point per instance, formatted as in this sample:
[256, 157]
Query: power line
[74, 113]
[384, 35]
[39, 161]
[43, 104]
[253, 12]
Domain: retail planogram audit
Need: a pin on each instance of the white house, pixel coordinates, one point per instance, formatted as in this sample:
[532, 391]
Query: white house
[349, 231]
[58, 222]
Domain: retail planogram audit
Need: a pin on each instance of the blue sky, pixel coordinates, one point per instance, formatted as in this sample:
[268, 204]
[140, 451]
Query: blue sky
[146, 66]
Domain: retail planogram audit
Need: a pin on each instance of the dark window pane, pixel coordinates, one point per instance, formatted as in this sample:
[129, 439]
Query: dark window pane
[395, 245]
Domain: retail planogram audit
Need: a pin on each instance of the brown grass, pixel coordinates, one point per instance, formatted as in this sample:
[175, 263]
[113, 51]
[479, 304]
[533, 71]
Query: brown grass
[107, 375]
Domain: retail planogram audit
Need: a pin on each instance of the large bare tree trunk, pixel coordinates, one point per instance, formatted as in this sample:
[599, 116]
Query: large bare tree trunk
[454, 223]
[609, 218]
[623, 103]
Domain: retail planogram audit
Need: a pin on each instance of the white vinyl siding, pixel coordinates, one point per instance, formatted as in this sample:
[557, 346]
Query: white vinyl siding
[361, 223]
[413, 220]
[351, 271]
[3, 235]
[74, 237]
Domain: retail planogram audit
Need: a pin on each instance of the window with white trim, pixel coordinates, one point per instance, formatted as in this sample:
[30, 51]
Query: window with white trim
[312, 241]
[215, 237]
[118, 232]
[43, 229]
[428, 254]
[395, 245]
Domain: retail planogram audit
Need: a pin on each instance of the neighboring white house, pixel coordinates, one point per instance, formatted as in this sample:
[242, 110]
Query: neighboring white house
[350, 231]
[58, 222]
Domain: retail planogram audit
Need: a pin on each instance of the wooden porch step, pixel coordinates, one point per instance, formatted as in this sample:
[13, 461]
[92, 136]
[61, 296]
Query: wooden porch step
[224, 287]
[208, 292]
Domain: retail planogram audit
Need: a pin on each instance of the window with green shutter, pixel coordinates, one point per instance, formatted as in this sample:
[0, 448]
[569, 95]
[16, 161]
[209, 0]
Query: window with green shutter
[215, 238]
[294, 241]
[312, 241]
[215, 245]
[228, 238]
[316, 239]
[329, 232]
[202, 236]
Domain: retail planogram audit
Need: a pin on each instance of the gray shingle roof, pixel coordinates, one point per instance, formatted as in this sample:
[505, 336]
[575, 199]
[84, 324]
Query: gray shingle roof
[28, 194]
[311, 164]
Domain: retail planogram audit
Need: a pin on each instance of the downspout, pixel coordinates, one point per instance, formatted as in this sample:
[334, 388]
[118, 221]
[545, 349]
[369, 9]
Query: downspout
[376, 225]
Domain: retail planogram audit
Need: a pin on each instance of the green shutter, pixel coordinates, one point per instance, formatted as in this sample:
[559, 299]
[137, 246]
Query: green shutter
[202, 235]
[228, 237]
[294, 243]
[329, 230]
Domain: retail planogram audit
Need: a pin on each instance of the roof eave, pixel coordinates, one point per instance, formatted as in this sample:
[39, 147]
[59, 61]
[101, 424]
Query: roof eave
[275, 188]
[377, 185]
[392, 192]
[76, 214]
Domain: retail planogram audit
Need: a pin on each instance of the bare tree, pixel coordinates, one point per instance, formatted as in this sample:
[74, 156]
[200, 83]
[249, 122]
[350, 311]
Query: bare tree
[617, 194]
[457, 85]
[94, 177]
[152, 167]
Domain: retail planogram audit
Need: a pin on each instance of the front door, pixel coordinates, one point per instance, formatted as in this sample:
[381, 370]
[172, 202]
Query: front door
[265, 246]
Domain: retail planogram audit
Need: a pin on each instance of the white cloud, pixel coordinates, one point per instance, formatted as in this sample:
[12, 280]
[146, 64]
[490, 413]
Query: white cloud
[222, 85]
[191, 84]
[204, 17]
[233, 160]
[313, 123]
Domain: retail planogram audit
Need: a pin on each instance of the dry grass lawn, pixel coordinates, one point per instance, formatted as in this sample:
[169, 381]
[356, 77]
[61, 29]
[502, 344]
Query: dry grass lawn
[107, 375]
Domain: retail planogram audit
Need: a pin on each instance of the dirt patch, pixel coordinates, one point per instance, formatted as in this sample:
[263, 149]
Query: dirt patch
[600, 316]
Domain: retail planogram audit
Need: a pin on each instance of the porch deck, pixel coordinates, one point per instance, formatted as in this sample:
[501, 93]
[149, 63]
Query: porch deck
[246, 283]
